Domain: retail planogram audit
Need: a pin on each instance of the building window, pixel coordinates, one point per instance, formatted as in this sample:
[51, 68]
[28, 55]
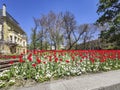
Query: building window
[24, 50]
[18, 50]
[0, 35]
[11, 38]
[23, 43]
[15, 39]
[18, 40]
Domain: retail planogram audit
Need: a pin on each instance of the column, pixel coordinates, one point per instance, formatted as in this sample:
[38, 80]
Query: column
[13, 38]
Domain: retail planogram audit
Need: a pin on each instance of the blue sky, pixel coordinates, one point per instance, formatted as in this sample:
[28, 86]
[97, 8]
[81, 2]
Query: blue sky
[24, 10]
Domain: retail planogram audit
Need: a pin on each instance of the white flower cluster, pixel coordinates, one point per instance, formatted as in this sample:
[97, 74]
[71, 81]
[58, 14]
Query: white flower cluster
[12, 81]
[2, 84]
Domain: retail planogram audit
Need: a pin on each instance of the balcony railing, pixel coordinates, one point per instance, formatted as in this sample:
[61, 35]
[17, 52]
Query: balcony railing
[11, 43]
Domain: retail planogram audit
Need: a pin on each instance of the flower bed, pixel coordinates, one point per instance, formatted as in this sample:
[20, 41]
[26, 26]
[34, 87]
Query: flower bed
[7, 57]
[46, 65]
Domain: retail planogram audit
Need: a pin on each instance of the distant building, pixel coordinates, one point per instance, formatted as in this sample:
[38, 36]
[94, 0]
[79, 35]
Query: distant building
[60, 47]
[13, 39]
[90, 45]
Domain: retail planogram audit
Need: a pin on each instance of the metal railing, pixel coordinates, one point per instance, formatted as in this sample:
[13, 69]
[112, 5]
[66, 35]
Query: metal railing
[6, 64]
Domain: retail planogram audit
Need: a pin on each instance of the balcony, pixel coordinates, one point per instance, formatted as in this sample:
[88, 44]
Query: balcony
[11, 43]
[24, 36]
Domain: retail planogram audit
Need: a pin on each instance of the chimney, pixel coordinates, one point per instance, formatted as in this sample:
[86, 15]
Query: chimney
[4, 10]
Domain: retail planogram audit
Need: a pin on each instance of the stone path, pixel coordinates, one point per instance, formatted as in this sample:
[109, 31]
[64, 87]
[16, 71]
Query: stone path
[100, 81]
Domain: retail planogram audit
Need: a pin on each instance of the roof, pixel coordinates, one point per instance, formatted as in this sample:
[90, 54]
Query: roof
[0, 12]
[9, 16]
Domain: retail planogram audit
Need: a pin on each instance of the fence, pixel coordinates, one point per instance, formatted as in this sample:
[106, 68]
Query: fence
[5, 64]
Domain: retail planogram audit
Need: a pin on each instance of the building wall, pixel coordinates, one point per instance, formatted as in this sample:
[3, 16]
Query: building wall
[13, 40]
[10, 30]
[0, 31]
[5, 32]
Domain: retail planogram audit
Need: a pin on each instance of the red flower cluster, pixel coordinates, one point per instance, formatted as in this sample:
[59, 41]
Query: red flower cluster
[67, 61]
[30, 57]
[21, 59]
[74, 55]
[38, 60]
[34, 65]
[11, 62]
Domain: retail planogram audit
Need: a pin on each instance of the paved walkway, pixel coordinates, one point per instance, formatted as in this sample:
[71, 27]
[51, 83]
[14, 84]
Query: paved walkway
[100, 81]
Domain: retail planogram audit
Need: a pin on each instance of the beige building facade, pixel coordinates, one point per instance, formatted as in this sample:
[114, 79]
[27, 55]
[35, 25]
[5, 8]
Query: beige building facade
[13, 39]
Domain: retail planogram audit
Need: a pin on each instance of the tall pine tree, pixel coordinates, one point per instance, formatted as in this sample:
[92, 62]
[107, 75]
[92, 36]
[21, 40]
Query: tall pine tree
[109, 11]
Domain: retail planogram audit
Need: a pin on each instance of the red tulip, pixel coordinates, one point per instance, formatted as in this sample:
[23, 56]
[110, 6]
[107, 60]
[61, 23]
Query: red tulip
[34, 52]
[38, 60]
[61, 60]
[80, 60]
[11, 62]
[92, 60]
[56, 60]
[21, 60]
[30, 57]
[67, 61]
[44, 62]
[102, 60]
[27, 51]
[73, 58]
[14, 57]
[50, 59]
[34, 65]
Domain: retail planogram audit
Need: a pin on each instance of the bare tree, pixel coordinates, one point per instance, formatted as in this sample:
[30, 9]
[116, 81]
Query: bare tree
[55, 29]
[34, 36]
[69, 25]
[51, 29]
[88, 35]
[61, 29]
[41, 36]
[72, 33]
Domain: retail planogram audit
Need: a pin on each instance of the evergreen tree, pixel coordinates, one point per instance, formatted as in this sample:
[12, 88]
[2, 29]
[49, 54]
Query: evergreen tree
[109, 11]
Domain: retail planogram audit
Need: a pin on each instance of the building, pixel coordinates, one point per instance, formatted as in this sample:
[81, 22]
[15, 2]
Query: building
[90, 45]
[13, 39]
